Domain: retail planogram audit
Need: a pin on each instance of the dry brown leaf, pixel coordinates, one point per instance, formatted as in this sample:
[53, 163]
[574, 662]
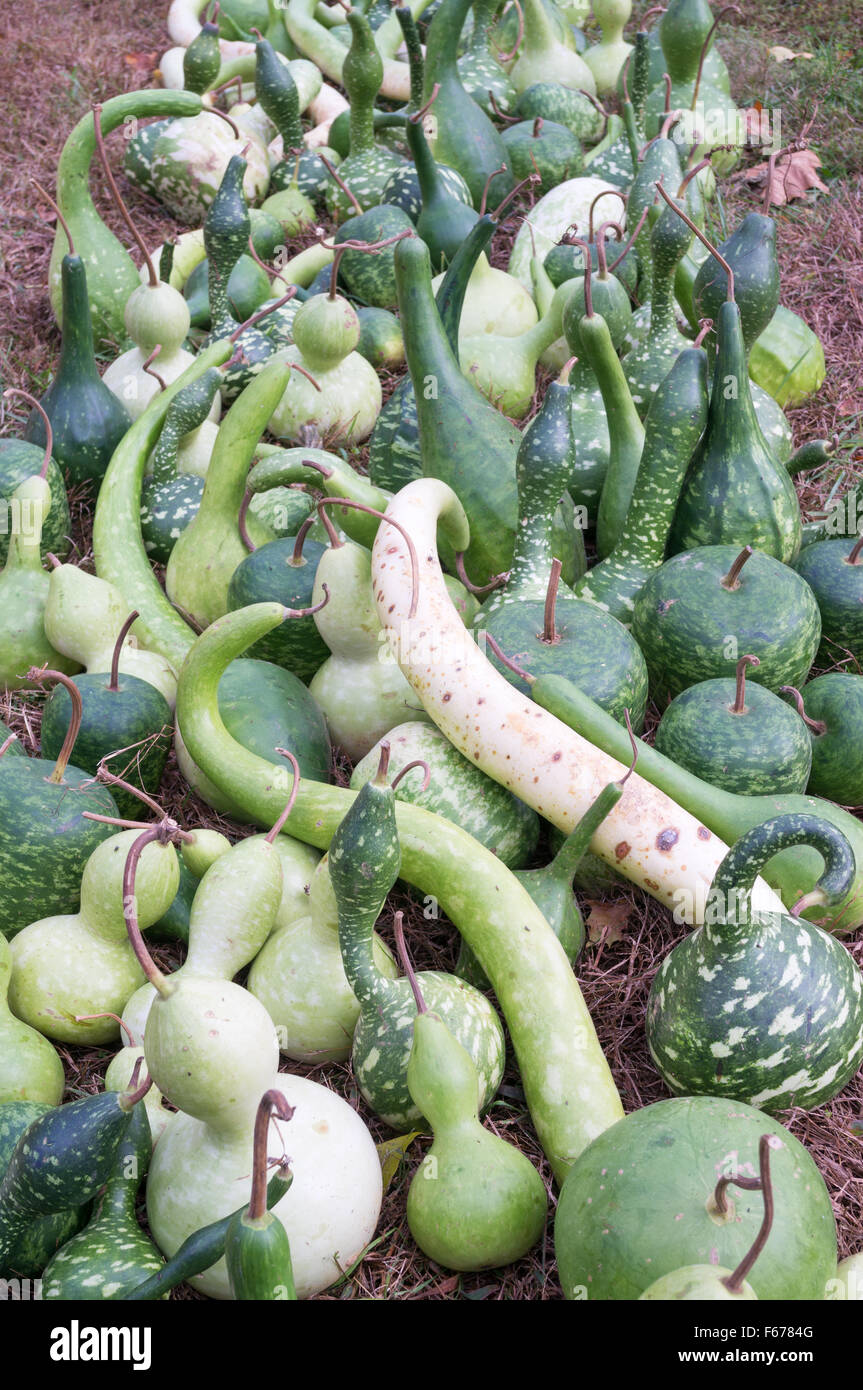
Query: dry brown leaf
[787, 55]
[793, 175]
[606, 921]
[142, 62]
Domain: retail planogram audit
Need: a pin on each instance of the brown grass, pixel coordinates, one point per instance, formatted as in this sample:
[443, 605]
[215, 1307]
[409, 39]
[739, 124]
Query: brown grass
[99, 47]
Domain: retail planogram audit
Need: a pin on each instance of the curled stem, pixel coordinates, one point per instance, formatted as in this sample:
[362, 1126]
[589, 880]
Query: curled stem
[734, 1282]
[118, 647]
[508, 57]
[49, 433]
[815, 726]
[40, 674]
[372, 511]
[295, 787]
[151, 371]
[271, 1102]
[507, 661]
[405, 961]
[417, 762]
[494, 583]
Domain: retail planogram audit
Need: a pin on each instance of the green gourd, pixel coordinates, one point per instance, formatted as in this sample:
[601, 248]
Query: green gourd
[120, 715]
[464, 137]
[325, 472]
[787, 360]
[545, 148]
[380, 341]
[257, 1248]
[299, 171]
[202, 59]
[112, 1254]
[833, 569]
[364, 862]
[83, 618]
[476, 1202]
[371, 278]
[249, 287]
[42, 1235]
[607, 58]
[681, 35]
[299, 978]
[736, 490]
[738, 736]
[444, 220]
[659, 165]
[19, 461]
[210, 548]
[172, 492]
[30, 1068]
[87, 419]
[543, 57]
[833, 715]
[367, 166]
[762, 1007]
[504, 368]
[672, 429]
[24, 588]
[478, 66]
[81, 963]
[588, 430]
[555, 102]
[283, 571]
[118, 1074]
[648, 363]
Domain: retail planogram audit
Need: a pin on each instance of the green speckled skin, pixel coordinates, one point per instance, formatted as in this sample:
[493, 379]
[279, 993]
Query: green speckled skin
[591, 449]
[649, 362]
[837, 755]
[764, 1008]
[402, 188]
[367, 165]
[40, 1238]
[370, 277]
[838, 589]
[555, 102]
[751, 253]
[634, 1206]
[19, 460]
[764, 749]
[166, 510]
[269, 573]
[691, 628]
[554, 152]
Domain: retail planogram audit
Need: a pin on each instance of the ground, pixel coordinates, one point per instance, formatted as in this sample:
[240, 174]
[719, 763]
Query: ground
[88, 50]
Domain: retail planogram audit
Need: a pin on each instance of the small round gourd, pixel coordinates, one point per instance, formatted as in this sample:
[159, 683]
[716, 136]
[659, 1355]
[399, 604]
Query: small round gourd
[833, 569]
[697, 1284]
[832, 708]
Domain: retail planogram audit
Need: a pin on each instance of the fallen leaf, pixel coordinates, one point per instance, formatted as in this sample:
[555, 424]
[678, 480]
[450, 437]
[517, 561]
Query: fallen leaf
[848, 407]
[606, 921]
[141, 61]
[391, 1153]
[787, 55]
[792, 177]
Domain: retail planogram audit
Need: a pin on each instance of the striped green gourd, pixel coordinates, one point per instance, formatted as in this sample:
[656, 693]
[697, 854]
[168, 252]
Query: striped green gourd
[833, 569]
[832, 709]
[367, 166]
[762, 1007]
[649, 361]
[364, 860]
[42, 1235]
[112, 1255]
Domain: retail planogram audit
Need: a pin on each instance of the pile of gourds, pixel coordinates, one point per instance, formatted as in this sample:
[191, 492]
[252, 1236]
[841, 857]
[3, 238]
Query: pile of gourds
[260, 601]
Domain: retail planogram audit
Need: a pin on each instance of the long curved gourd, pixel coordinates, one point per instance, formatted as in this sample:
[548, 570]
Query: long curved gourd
[317, 42]
[558, 1053]
[654, 842]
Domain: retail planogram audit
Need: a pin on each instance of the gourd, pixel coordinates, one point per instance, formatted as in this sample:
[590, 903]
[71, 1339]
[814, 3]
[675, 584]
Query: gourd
[370, 278]
[647, 364]
[189, 158]
[545, 148]
[367, 166]
[361, 695]
[380, 341]
[257, 1249]
[443, 220]
[787, 359]
[762, 1007]
[283, 571]
[111, 1255]
[83, 617]
[674, 1150]
[364, 863]
[41, 823]
[299, 171]
[832, 715]
[87, 421]
[172, 492]
[480, 72]
[299, 977]
[703, 607]
[738, 736]
[30, 1068]
[554, 102]
[18, 462]
[118, 716]
[475, 1202]
[606, 58]
[672, 429]
[544, 57]
[36, 1242]
[565, 206]
[464, 137]
[328, 52]
[81, 963]
[833, 569]
[504, 368]
[24, 588]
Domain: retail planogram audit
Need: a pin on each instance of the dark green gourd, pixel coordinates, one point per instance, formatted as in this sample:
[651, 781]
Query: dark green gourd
[481, 74]
[299, 170]
[831, 707]
[618, 164]
[833, 569]
[248, 289]
[111, 1255]
[87, 420]
[170, 498]
[650, 360]
[371, 278]
[737, 735]
[257, 1248]
[674, 425]
[736, 491]
[283, 572]
[465, 138]
[660, 163]
[45, 1234]
[364, 863]
[545, 148]
[443, 221]
[762, 1007]
[697, 614]
[202, 59]
[367, 166]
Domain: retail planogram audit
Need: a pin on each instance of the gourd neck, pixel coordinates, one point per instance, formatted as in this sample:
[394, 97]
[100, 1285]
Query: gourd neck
[76, 351]
[442, 44]
[362, 75]
[731, 393]
[538, 32]
[541, 478]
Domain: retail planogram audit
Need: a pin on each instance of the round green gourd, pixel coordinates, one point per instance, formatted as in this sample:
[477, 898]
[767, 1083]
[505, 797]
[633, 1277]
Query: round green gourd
[371, 278]
[634, 1206]
[45, 1234]
[702, 609]
[736, 735]
[832, 706]
[833, 569]
[402, 188]
[283, 571]
[543, 147]
[30, 1068]
[564, 105]
[762, 1007]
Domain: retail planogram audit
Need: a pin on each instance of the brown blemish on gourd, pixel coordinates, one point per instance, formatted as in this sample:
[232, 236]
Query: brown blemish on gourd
[556, 757]
[667, 839]
[651, 883]
[703, 833]
[447, 697]
[622, 850]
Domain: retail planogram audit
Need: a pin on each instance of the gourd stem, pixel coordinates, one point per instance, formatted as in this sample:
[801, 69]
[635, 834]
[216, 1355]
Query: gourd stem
[44, 673]
[241, 521]
[372, 511]
[606, 193]
[501, 115]
[262, 314]
[739, 706]
[704, 327]
[86, 1018]
[417, 762]
[103, 775]
[654, 10]
[380, 777]
[417, 116]
[631, 242]
[599, 107]
[147, 367]
[732, 578]
[507, 660]
[332, 533]
[372, 247]
[815, 726]
[701, 237]
[494, 583]
[549, 633]
[729, 9]
[269, 270]
[531, 179]
[7, 743]
[519, 38]
[295, 787]
[49, 433]
[115, 655]
[118, 820]
[223, 116]
[720, 1201]
[130, 910]
[854, 557]
[341, 183]
[270, 1101]
[128, 1099]
[405, 961]
[601, 258]
[60, 218]
[297, 553]
[635, 749]
[486, 186]
[734, 1282]
[115, 194]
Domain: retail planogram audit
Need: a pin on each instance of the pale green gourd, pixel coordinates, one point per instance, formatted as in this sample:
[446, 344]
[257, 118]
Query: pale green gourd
[606, 58]
[504, 368]
[117, 1077]
[81, 962]
[494, 302]
[24, 588]
[543, 58]
[83, 618]
[300, 979]
[30, 1069]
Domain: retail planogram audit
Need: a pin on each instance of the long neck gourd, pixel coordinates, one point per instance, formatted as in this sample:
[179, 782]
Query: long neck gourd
[606, 58]
[504, 368]
[770, 1005]
[367, 166]
[544, 58]
[649, 362]
[480, 72]
[24, 588]
[625, 431]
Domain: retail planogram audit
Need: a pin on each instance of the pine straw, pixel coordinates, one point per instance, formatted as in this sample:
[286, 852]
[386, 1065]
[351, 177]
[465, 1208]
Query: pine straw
[820, 251]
